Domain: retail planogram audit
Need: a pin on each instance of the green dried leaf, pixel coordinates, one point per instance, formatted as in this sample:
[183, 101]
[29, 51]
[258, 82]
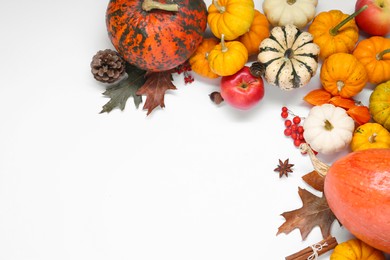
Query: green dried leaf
[128, 87]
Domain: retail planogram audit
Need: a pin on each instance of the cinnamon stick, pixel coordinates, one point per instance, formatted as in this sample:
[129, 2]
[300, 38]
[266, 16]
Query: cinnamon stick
[311, 252]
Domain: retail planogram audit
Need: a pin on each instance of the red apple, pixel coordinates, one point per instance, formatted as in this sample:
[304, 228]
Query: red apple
[242, 90]
[375, 20]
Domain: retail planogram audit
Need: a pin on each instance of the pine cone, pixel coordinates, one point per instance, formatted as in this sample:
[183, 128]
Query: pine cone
[257, 69]
[107, 66]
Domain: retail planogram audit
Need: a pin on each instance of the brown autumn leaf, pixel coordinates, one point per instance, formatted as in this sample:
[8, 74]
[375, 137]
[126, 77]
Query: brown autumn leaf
[154, 88]
[315, 180]
[314, 212]
[317, 97]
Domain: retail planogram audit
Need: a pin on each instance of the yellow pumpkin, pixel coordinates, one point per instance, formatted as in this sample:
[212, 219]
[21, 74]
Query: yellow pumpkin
[343, 75]
[227, 58]
[355, 249]
[258, 31]
[379, 104]
[370, 135]
[231, 18]
[199, 60]
[374, 54]
[334, 32]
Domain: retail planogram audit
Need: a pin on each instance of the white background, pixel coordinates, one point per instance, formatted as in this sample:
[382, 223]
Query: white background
[191, 181]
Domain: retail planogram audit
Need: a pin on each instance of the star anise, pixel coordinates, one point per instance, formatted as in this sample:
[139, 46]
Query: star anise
[284, 168]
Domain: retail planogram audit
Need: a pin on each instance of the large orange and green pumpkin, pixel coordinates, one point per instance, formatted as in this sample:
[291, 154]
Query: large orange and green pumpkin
[156, 35]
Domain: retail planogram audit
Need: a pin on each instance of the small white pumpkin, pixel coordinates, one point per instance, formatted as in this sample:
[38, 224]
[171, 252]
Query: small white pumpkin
[296, 12]
[289, 56]
[328, 129]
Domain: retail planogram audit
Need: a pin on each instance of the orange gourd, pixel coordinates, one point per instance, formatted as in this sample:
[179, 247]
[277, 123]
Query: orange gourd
[258, 31]
[232, 18]
[342, 74]
[335, 32]
[374, 54]
[355, 249]
[370, 135]
[199, 62]
[156, 35]
[227, 58]
[357, 189]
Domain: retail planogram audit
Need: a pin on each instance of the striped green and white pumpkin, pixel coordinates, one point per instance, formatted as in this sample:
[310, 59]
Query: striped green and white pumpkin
[289, 56]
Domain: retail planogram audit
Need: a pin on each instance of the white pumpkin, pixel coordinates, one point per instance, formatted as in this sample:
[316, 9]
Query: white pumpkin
[289, 56]
[328, 129]
[296, 12]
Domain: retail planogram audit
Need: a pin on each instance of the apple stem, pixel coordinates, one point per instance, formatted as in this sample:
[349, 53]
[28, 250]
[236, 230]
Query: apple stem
[223, 45]
[219, 7]
[320, 167]
[380, 55]
[334, 31]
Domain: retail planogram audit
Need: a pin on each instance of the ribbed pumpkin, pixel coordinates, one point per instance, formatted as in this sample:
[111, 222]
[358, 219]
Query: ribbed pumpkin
[334, 32]
[355, 249]
[342, 74]
[232, 18]
[374, 54]
[258, 31]
[289, 56]
[296, 12]
[156, 35]
[227, 58]
[379, 104]
[199, 60]
[370, 135]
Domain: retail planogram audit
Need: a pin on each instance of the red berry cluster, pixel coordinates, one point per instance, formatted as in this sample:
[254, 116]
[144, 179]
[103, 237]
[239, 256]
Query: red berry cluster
[293, 128]
[185, 68]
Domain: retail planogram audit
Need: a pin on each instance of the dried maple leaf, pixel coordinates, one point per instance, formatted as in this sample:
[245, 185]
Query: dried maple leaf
[315, 180]
[154, 88]
[315, 211]
[120, 92]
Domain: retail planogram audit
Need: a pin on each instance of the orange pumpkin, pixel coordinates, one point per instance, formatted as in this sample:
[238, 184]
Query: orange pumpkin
[335, 32]
[258, 31]
[357, 189]
[342, 74]
[374, 54]
[199, 62]
[156, 35]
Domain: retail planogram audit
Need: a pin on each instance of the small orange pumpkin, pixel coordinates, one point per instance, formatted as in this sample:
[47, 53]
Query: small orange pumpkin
[227, 58]
[335, 32]
[258, 31]
[199, 62]
[342, 74]
[370, 135]
[355, 249]
[374, 54]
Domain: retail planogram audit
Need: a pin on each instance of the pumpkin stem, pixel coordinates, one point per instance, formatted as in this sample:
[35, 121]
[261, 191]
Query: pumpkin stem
[328, 125]
[223, 45]
[219, 7]
[334, 31]
[291, 2]
[372, 138]
[289, 53]
[340, 84]
[380, 55]
[148, 5]
[320, 167]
